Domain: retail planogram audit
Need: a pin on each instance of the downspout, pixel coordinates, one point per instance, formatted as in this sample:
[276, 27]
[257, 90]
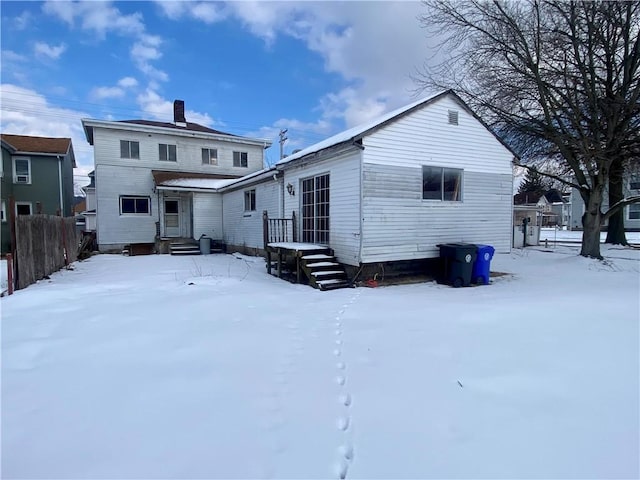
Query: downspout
[60, 186]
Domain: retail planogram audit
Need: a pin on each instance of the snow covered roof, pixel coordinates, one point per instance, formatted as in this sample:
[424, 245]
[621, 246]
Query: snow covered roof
[187, 180]
[361, 130]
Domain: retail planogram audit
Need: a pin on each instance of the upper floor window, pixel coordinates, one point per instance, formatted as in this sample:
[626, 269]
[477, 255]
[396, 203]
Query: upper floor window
[135, 205]
[240, 159]
[250, 201]
[167, 152]
[22, 170]
[209, 156]
[129, 149]
[444, 184]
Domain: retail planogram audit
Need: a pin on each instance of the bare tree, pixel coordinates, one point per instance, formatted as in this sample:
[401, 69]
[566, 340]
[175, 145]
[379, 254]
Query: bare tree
[559, 80]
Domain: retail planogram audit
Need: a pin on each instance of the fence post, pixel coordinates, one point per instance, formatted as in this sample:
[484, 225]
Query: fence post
[64, 242]
[294, 230]
[14, 244]
[265, 228]
[10, 273]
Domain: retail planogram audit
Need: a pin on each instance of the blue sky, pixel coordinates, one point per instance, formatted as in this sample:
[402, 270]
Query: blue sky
[248, 68]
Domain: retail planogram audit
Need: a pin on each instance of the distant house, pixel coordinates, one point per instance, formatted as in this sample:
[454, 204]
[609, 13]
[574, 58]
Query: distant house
[38, 173]
[552, 207]
[140, 171]
[631, 212]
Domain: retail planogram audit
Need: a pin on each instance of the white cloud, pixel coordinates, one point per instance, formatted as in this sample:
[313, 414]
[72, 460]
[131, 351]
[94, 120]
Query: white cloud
[101, 93]
[101, 18]
[27, 112]
[11, 56]
[23, 20]
[159, 108]
[96, 17]
[207, 12]
[128, 82]
[52, 52]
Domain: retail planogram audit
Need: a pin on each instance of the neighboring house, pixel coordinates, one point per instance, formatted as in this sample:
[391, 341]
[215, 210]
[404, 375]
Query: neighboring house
[391, 190]
[141, 168]
[38, 173]
[552, 208]
[89, 212]
[631, 212]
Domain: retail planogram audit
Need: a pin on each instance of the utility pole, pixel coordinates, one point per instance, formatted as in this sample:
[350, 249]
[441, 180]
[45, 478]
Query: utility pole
[283, 139]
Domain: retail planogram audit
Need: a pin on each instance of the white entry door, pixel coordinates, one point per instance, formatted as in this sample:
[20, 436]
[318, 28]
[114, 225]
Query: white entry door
[172, 217]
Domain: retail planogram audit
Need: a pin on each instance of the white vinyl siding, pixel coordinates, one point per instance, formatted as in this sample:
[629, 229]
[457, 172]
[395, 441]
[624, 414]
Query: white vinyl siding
[244, 229]
[107, 151]
[397, 223]
[344, 203]
[115, 230]
[207, 215]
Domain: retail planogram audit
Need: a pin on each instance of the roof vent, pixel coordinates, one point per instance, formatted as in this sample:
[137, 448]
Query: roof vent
[178, 113]
[453, 117]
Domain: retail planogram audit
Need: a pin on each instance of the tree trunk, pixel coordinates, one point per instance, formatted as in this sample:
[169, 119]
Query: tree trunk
[615, 230]
[591, 223]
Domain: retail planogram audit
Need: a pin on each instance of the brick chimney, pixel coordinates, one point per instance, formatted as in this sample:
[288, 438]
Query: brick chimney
[178, 113]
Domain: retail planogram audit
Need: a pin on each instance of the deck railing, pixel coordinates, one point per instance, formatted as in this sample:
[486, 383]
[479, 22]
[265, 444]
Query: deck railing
[279, 229]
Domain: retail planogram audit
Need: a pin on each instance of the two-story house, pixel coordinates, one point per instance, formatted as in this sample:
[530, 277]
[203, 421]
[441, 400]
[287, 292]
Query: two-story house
[37, 172]
[158, 180]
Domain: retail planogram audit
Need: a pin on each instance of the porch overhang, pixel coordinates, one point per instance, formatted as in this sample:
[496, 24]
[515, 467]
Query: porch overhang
[189, 181]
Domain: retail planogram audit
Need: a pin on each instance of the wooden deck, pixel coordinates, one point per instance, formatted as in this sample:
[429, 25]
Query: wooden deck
[298, 261]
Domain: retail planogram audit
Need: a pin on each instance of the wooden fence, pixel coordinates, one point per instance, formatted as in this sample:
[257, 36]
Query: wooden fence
[43, 244]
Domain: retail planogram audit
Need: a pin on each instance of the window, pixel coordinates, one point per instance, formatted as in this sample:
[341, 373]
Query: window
[167, 152]
[444, 184]
[129, 149]
[634, 211]
[634, 182]
[209, 156]
[23, 208]
[250, 201]
[240, 159]
[22, 170]
[135, 206]
[4, 212]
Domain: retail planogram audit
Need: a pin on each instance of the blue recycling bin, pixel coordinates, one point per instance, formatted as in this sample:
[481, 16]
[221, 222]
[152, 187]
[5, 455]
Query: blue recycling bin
[481, 267]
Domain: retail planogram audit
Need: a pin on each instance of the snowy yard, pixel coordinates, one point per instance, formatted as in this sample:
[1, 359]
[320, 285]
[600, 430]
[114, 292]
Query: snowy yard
[205, 367]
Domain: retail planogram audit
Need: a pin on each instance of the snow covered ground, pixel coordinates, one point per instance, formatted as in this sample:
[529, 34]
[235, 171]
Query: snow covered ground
[205, 367]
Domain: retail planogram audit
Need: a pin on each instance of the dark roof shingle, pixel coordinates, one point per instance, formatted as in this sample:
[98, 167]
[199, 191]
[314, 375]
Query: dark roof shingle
[49, 145]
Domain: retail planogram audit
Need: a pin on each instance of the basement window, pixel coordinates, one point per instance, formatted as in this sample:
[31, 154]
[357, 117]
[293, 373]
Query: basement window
[634, 211]
[23, 208]
[443, 184]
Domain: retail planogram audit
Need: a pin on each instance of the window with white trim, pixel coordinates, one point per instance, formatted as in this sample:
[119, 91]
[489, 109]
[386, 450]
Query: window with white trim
[633, 211]
[209, 156]
[439, 183]
[23, 208]
[4, 211]
[634, 182]
[22, 170]
[134, 205]
[250, 201]
[240, 159]
[129, 149]
[167, 153]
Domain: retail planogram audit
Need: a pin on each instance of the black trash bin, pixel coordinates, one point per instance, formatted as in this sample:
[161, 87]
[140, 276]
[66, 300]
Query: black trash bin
[457, 260]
